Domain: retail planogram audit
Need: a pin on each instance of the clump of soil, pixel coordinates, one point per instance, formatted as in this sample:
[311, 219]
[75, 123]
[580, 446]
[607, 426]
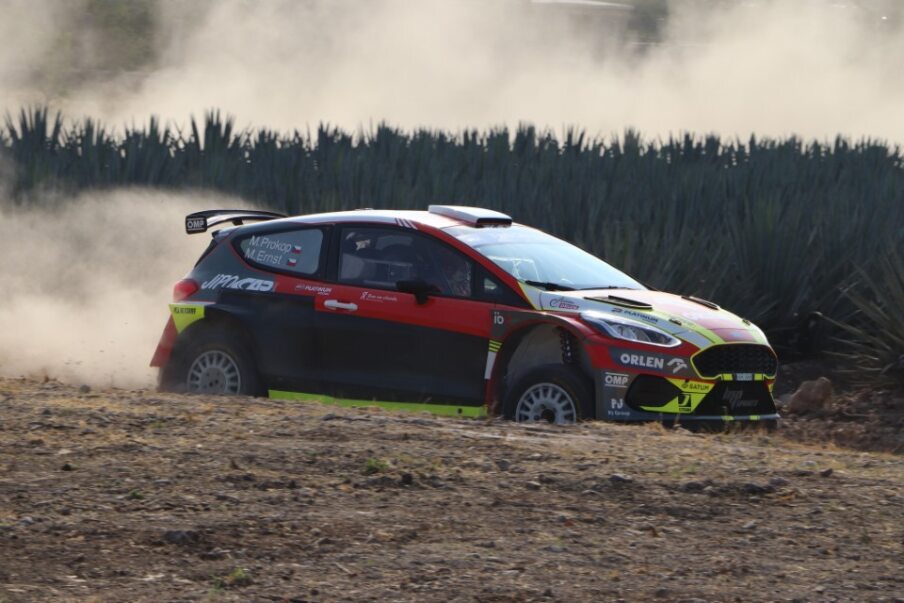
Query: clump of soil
[134, 495]
[864, 420]
[816, 409]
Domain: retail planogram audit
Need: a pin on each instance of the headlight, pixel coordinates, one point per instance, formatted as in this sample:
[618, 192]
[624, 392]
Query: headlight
[629, 330]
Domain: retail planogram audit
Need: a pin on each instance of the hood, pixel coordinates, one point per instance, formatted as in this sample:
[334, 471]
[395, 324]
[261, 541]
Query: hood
[698, 322]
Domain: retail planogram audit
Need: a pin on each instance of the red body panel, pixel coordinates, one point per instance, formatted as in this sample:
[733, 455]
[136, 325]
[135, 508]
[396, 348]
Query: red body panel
[165, 346]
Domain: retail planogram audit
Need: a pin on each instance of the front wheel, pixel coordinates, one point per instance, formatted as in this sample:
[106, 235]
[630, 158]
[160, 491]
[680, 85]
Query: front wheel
[216, 363]
[555, 393]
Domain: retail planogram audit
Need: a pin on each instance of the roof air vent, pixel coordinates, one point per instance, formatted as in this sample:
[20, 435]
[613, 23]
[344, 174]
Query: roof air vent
[476, 216]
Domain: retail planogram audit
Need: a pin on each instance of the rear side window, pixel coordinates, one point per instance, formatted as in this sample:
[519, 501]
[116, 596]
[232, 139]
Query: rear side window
[293, 251]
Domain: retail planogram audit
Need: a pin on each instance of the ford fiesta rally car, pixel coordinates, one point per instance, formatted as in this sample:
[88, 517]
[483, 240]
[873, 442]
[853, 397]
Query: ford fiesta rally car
[456, 310]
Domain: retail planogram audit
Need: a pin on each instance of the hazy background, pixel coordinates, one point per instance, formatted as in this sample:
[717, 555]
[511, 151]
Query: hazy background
[86, 285]
[815, 68]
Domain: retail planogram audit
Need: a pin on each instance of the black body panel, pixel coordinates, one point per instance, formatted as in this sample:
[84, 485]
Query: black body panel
[282, 328]
[405, 362]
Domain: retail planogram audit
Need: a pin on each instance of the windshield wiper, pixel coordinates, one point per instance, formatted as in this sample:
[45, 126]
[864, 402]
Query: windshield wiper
[607, 287]
[549, 286]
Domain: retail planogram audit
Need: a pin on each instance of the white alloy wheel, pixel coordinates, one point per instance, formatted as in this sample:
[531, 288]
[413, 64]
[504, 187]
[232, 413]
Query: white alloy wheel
[214, 372]
[546, 402]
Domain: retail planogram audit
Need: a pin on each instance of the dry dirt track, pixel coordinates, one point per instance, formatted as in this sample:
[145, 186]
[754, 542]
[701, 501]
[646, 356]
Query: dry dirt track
[129, 496]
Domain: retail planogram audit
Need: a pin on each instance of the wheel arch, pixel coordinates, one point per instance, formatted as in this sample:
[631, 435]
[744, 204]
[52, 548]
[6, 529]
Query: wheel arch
[536, 344]
[215, 317]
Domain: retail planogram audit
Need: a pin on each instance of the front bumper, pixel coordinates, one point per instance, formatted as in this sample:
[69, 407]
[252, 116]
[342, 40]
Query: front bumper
[623, 396]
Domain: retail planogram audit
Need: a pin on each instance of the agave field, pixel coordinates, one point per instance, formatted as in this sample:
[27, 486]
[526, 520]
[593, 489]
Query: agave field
[804, 238]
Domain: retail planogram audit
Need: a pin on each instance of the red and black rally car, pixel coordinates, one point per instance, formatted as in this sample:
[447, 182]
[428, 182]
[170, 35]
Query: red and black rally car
[457, 310]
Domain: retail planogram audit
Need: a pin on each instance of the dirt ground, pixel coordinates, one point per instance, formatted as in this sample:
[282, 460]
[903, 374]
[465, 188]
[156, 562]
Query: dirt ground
[135, 496]
[862, 418]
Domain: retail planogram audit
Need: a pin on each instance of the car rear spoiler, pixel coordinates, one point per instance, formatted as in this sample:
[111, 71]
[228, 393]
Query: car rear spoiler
[202, 220]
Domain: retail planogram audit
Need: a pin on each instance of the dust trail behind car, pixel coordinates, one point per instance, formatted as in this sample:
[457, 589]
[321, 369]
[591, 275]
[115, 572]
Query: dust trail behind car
[83, 282]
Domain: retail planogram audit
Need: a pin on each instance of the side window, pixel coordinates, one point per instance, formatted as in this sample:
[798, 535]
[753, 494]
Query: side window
[490, 289]
[294, 251]
[381, 257]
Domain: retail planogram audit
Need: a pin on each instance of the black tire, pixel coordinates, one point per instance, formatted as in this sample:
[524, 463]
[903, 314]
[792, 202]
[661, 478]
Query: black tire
[549, 383]
[213, 361]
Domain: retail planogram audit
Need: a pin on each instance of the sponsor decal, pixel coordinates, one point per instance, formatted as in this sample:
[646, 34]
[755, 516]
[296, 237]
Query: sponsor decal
[696, 386]
[743, 377]
[617, 403]
[195, 224]
[616, 380]
[498, 319]
[618, 413]
[563, 303]
[638, 315]
[185, 316]
[316, 289]
[642, 361]
[677, 364]
[684, 403]
[231, 281]
[651, 360]
[378, 298]
[735, 400]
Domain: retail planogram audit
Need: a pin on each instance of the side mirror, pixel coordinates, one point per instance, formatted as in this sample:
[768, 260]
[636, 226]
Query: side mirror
[420, 289]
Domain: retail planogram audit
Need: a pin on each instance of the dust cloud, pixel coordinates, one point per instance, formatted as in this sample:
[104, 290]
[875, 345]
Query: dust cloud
[86, 283]
[815, 68]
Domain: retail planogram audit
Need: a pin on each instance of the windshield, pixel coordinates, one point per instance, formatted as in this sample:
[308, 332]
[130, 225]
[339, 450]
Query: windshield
[539, 259]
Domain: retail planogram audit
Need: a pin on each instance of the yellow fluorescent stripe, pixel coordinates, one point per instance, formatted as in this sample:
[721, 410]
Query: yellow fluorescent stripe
[532, 295]
[185, 314]
[437, 409]
[754, 377]
[686, 403]
[687, 325]
[702, 331]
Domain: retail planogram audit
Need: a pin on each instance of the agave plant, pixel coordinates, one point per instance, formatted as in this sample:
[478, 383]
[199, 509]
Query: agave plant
[766, 227]
[873, 338]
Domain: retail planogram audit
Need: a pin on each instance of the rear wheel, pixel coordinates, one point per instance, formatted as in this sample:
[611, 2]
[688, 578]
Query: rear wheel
[214, 362]
[554, 393]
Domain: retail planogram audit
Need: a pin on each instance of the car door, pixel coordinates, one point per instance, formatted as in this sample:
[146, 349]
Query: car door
[379, 341]
[282, 320]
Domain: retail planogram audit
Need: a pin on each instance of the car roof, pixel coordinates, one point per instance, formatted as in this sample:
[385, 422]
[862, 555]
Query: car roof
[405, 218]
[381, 216]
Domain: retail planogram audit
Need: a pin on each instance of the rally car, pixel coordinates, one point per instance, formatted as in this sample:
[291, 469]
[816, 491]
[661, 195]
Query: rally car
[456, 310]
